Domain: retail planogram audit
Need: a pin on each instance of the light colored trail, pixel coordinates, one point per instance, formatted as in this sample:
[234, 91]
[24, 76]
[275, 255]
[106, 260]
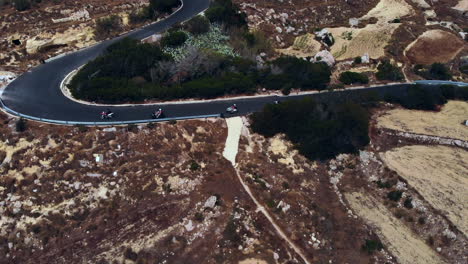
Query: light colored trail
[231, 148]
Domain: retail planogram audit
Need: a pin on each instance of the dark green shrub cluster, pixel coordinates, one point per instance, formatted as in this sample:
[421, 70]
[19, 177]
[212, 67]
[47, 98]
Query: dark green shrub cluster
[22, 5]
[162, 6]
[139, 16]
[319, 131]
[419, 98]
[297, 73]
[395, 195]
[106, 26]
[370, 246]
[198, 25]
[21, 125]
[349, 77]
[174, 39]
[437, 71]
[388, 71]
[226, 12]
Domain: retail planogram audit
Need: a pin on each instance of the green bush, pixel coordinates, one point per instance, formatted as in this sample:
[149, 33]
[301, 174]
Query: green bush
[22, 5]
[438, 71]
[198, 25]
[21, 125]
[174, 39]
[226, 12]
[357, 60]
[370, 246]
[387, 71]
[194, 165]
[395, 195]
[107, 26]
[319, 131]
[162, 6]
[349, 77]
[139, 16]
[408, 203]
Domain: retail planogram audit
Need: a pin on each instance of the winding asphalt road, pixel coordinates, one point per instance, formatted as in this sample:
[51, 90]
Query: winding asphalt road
[37, 92]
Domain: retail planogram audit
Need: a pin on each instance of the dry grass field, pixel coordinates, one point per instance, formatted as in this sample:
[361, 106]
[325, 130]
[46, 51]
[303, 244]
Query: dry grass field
[446, 123]
[439, 174]
[432, 47]
[407, 247]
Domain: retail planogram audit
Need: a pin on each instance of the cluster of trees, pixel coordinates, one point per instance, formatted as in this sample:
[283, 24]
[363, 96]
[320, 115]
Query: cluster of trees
[349, 77]
[436, 71]
[320, 131]
[388, 71]
[417, 97]
[107, 26]
[157, 7]
[132, 71]
[227, 13]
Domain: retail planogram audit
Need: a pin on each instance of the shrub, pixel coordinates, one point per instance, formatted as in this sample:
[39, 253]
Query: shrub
[348, 77]
[319, 131]
[394, 195]
[82, 128]
[198, 25]
[423, 99]
[226, 12]
[357, 60]
[174, 39]
[130, 254]
[22, 5]
[199, 217]
[194, 165]
[438, 71]
[21, 125]
[370, 246]
[387, 71]
[139, 16]
[408, 203]
[162, 6]
[107, 26]
[230, 232]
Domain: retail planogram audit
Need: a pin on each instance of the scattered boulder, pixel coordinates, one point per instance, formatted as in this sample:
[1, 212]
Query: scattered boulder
[211, 202]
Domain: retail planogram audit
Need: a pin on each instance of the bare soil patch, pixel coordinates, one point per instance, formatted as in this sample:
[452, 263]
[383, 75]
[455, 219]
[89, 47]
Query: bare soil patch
[439, 173]
[432, 47]
[446, 123]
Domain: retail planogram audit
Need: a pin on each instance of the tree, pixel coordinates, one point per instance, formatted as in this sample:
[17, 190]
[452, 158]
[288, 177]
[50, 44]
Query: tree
[438, 71]
[174, 39]
[106, 26]
[22, 5]
[226, 12]
[162, 6]
[198, 25]
[349, 77]
[387, 71]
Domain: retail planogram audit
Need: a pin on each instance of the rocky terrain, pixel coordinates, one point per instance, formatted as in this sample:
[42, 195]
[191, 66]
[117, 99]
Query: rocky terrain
[409, 32]
[168, 193]
[51, 28]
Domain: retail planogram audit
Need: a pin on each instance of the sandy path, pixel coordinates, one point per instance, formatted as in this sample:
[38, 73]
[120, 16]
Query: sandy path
[235, 125]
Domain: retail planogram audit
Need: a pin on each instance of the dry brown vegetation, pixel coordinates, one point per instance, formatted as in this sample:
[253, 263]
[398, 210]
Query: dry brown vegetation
[439, 174]
[431, 47]
[446, 123]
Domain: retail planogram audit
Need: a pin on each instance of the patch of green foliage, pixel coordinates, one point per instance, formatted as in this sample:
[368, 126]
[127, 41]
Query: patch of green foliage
[395, 195]
[319, 131]
[162, 6]
[349, 77]
[370, 246]
[174, 39]
[227, 13]
[198, 25]
[106, 26]
[388, 71]
[437, 71]
[297, 73]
